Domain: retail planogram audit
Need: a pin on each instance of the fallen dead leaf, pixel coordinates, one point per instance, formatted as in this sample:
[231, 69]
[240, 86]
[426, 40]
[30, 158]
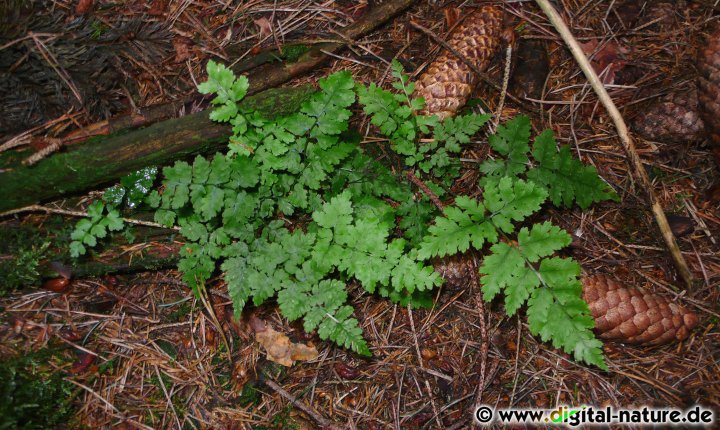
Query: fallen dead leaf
[83, 7]
[606, 61]
[182, 49]
[278, 346]
[264, 26]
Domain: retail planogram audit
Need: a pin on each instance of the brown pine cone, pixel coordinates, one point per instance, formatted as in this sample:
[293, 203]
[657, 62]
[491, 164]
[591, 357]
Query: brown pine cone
[708, 65]
[632, 316]
[447, 84]
[674, 118]
[455, 269]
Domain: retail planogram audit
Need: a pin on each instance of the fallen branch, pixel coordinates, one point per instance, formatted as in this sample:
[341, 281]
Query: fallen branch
[106, 159]
[58, 211]
[624, 135]
[264, 76]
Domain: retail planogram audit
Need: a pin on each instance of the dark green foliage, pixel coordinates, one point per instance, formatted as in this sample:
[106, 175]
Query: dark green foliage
[22, 250]
[101, 219]
[132, 189]
[565, 178]
[31, 395]
[295, 210]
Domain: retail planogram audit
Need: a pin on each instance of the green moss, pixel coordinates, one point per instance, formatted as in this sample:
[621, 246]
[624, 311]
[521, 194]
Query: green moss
[31, 395]
[291, 53]
[22, 249]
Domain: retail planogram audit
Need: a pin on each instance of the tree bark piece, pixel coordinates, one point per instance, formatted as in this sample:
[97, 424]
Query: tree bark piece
[105, 159]
[448, 82]
[633, 316]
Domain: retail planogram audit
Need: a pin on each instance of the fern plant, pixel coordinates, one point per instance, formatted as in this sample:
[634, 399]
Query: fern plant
[295, 210]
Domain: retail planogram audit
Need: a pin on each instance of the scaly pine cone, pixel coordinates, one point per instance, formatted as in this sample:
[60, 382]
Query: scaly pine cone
[708, 65]
[633, 316]
[674, 118]
[455, 269]
[447, 84]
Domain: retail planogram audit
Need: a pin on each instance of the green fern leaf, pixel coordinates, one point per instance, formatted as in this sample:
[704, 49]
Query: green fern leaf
[565, 177]
[453, 132]
[511, 141]
[470, 222]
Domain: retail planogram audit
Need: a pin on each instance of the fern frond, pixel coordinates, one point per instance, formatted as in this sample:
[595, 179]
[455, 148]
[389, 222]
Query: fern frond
[551, 290]
[566, 178]
[471, 222]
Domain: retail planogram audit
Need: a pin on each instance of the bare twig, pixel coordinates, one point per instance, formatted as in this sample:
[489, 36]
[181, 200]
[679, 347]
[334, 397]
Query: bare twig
[425, 189]
[39, 208]
[323, 422]
[506, 80]
[623, 133]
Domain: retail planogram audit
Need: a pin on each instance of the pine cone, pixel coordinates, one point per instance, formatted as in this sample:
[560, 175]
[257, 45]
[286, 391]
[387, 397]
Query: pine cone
[708, 65]
[674, 118]
[447, 84]
[633, 316]
[455, 269]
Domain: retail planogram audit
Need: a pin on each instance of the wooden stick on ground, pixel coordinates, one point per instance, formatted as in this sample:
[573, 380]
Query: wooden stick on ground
[623, 133]
[323, 422]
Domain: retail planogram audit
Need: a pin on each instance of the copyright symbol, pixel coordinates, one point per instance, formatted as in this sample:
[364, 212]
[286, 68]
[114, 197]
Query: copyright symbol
[484, 414]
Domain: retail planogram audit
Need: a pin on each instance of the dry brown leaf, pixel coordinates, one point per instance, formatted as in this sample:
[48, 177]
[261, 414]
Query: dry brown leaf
[182, 49]
[83, 7]
[609, 56]
[278, 346]
[264, 26]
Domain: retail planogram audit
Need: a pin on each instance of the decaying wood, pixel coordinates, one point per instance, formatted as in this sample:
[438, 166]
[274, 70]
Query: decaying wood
[91, 164]
[96, 162]
[263, 77]
[448, 82]
[623, 134]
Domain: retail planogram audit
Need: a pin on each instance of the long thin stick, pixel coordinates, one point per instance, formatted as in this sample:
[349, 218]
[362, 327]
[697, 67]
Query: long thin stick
[323, 422]
[49, 210]
[623, 133]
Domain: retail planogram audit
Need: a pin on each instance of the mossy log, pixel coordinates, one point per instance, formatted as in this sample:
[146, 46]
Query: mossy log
[105, 159]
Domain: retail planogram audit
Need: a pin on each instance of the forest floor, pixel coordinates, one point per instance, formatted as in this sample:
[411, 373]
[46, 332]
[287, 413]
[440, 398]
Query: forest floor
[142, 352]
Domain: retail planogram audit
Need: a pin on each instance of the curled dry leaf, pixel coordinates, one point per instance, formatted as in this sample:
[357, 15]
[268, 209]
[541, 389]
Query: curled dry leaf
[264, 26]
[83, 363]
[278, 346]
